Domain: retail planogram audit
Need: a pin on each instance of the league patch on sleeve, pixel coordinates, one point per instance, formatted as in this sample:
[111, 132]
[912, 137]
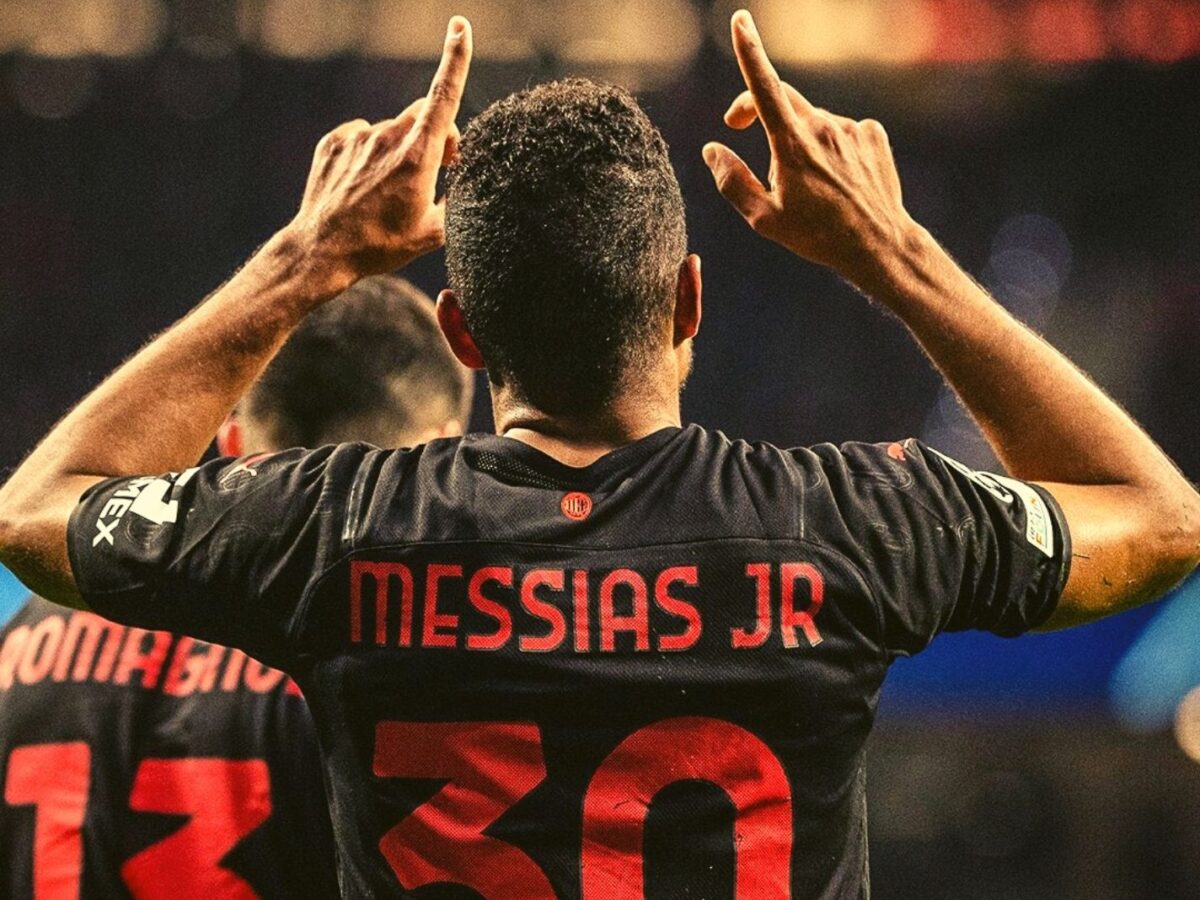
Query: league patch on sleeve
[1039, 526]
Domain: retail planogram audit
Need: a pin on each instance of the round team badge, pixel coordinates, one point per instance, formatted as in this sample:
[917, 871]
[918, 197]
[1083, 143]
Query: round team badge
[576, 505]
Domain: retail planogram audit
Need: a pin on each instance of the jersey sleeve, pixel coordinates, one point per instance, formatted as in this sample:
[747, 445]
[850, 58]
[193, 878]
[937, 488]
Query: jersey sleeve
[942, 547]
[223, 552]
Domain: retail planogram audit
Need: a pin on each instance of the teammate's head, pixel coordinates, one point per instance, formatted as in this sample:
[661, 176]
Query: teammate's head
[370, 366]
[565, 244]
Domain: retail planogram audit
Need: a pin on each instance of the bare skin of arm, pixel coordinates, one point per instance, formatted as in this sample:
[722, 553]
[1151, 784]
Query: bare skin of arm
[833, 197]
[369, 207]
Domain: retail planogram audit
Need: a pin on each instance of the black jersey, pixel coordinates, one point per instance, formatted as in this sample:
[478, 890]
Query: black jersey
[652, 676]
[135, 763]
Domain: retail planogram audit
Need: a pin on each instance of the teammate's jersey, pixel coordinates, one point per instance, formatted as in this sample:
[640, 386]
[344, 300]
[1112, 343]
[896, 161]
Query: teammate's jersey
[135, 763]
[652, 676]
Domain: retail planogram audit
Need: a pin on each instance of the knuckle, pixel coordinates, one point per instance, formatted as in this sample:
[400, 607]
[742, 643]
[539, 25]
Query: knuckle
[377, 143]
[758, 217]
[408, 163]
[434, 237]
[330, 144]
[443, 92]
[874, 129]
[348, 128]
[796, 149]
[825, 134]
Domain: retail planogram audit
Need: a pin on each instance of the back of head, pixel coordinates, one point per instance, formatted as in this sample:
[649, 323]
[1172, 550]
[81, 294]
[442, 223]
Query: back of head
[370, 366]
[564, 236]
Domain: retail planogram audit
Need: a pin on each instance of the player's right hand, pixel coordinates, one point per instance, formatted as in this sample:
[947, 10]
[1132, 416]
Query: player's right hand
[369, 205]
[832, 194]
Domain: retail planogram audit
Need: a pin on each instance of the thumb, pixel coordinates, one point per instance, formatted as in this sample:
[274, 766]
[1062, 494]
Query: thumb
[736, 182]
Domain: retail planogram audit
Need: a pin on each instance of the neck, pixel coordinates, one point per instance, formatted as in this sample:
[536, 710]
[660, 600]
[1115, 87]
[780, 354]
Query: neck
[581, 441]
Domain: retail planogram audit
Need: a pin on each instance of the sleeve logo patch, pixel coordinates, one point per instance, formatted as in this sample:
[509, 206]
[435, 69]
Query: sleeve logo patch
[989, 482]
[144, 497]
[243, 471]
[1039, 527]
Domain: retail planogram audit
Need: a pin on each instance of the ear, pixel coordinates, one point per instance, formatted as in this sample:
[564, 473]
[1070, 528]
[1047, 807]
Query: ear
[229, 436]
[687, 300]
[454, 327]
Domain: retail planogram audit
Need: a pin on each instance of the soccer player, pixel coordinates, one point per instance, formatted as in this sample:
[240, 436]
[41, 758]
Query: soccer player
[598, 654]
[139, 763]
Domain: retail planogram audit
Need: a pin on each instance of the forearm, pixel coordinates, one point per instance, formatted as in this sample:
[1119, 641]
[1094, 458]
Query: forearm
[1134, 518]
[158, 411]
[369, 207]
[1044, 418]
[835, 199]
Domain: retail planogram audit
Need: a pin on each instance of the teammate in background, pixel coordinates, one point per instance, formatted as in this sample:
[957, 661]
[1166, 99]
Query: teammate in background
[599, 654]
[138, 763]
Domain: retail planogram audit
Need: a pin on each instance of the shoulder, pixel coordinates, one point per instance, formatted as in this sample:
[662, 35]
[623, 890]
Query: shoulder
[814, 466]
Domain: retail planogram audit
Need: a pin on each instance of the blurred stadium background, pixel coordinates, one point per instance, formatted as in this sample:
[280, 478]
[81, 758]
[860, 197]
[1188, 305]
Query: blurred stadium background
[1052, 145]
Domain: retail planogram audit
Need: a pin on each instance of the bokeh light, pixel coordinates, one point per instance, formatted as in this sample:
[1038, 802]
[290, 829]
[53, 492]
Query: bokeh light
[1150, 681]
[504, 30]
[64, 28]
[302, 29]
[52, 88]
[1187, 724]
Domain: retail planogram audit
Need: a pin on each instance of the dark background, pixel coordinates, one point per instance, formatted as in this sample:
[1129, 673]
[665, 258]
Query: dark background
[130, 187]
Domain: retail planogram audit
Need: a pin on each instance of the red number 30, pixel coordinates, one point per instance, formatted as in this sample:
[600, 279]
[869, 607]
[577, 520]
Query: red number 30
[492, 765]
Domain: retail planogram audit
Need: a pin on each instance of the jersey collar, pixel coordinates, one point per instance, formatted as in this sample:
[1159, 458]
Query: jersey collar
[515, 461]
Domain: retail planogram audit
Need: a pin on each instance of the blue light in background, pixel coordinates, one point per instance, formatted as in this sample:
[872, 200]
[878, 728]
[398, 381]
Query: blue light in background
[12, 594]
[1060, 671]
[1162, 665]
[1064, 671]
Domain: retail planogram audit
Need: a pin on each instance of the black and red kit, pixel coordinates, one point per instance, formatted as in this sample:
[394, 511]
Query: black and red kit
[135, 763]
[653, 676]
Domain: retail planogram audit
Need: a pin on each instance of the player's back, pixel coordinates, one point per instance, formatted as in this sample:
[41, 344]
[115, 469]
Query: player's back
[651, 675]
[136, 763]
[559, 648]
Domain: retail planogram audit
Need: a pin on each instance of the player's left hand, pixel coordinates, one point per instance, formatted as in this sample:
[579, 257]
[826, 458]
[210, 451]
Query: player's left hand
[370, 204]
[832, 194]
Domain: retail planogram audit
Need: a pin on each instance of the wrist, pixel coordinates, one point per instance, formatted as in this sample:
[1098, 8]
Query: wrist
[312, 273]
[893, 264]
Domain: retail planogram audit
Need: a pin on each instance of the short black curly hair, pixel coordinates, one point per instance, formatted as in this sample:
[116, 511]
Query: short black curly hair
[565, 232]
[370, 366]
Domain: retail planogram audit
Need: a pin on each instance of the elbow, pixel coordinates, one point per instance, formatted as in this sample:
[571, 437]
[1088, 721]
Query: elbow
[1172, 532]
[10, 527]
[1188, 526]
[16, 518]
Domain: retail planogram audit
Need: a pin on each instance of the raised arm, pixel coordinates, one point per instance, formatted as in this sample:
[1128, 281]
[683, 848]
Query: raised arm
[369, 207]
[834, 197]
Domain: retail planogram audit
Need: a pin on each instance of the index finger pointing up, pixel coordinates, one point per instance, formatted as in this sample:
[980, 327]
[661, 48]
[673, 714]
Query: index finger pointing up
[760, 75]
[446, 90]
